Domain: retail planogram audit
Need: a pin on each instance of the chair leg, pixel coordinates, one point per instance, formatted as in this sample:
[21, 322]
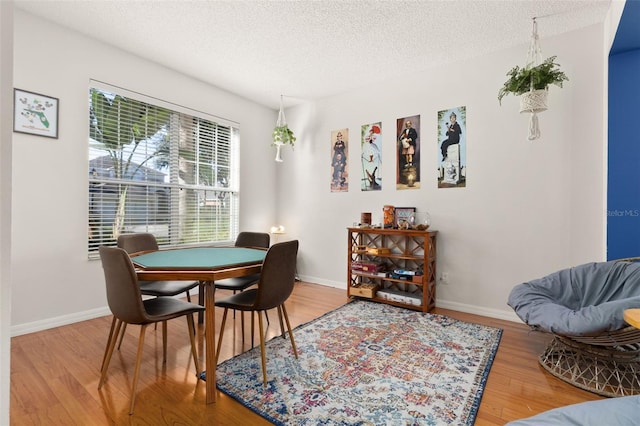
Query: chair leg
[124, 328]
[189, 300]
[224, 321]
[200, 301]
[252, 327]
[192, 332]
[106, 349]
[143, 329]
[234, 311]
[281, 322]
[262, 350]
[286, 318]
[242, 325]
[111, 346]
[164, 342]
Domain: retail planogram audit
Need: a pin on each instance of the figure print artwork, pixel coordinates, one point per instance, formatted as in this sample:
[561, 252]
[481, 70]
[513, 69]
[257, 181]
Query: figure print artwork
[339, 166]
[371, 144]
[408, 153]
[452, 148]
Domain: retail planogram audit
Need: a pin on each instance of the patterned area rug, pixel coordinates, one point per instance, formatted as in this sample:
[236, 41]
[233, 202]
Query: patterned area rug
[368, 363]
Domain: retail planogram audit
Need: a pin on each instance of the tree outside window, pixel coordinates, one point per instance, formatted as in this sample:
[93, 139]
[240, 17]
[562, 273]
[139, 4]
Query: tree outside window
[154, 169]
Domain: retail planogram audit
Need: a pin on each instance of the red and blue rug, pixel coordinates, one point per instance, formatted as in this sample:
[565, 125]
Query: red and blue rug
[368, 363]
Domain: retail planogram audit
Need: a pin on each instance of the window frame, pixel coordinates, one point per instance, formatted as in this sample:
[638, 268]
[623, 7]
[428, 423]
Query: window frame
[207, 206]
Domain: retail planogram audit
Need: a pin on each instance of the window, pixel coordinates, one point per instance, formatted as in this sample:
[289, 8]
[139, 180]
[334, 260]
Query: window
[159, 168]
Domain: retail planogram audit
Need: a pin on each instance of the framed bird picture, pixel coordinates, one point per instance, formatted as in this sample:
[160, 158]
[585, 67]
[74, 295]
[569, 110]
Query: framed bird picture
[35, 114]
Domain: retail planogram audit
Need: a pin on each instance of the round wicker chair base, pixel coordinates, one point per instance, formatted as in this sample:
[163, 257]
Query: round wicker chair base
[608, 371]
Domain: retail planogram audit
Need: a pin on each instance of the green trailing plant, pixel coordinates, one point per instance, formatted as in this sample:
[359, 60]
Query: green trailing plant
[522, 80]
[283, 135]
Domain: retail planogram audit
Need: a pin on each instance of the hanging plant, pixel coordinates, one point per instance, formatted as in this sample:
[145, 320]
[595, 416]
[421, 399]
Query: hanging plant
[283, 135]
[539, 77]
[532, 82]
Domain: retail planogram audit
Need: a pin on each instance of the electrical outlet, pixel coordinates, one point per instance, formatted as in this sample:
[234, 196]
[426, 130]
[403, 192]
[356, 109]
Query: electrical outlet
[444, 278]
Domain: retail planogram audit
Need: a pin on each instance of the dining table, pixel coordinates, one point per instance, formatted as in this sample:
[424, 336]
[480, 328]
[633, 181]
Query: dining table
[207, 265]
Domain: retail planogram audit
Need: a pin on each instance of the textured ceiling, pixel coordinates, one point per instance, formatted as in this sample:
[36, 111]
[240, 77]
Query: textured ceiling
[307, 50]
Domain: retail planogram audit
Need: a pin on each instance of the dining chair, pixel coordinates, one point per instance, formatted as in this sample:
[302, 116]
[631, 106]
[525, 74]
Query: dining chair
[275, 285]
[236, 284]
[143, 242]
[133, 243]
[127, 306]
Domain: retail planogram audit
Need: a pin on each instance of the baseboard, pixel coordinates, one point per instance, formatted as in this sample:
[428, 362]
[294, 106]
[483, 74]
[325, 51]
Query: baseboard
[478, 310]
[32, 327]
[321, 281]
[48, 323]
[507, 315]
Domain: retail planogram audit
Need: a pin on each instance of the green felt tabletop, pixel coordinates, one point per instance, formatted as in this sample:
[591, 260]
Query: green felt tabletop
[199, 258]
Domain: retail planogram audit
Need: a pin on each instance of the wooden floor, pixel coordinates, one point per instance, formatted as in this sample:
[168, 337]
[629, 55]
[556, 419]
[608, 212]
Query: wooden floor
[55, 373]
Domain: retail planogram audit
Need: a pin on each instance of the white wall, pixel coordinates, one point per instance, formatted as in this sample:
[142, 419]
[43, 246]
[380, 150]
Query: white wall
[6, 108]
[528, 208]
[53, 282]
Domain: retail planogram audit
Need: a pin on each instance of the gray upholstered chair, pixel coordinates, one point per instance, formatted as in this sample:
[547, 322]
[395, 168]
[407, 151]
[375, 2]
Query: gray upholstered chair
[245, 239]
[139, 242]
[145, 242]
[275, 285]
[236, 284]
[583, 307]
[622, 411]
[126, 303]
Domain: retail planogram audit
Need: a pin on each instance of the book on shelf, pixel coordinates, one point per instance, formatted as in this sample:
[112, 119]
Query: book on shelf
[406, 272]
[366, 266]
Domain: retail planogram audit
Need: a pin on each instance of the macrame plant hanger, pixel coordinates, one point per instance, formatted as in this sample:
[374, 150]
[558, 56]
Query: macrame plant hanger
[534, 101]
[280, 123]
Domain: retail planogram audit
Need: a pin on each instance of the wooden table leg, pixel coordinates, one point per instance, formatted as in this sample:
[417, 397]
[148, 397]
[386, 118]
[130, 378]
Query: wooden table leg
[210, 340]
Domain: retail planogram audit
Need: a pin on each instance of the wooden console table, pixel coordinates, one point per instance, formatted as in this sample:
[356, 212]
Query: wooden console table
[411, 250]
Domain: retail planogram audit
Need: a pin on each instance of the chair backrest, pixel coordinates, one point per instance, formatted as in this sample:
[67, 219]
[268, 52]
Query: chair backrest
[133, 243]
[253, 239]
[278, 275]
[123, 292]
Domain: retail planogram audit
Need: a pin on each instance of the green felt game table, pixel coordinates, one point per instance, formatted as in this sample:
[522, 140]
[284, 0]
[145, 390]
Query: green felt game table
[205, 264]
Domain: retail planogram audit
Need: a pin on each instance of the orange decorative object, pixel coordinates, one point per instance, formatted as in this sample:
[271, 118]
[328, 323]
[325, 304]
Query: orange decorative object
[388, 214]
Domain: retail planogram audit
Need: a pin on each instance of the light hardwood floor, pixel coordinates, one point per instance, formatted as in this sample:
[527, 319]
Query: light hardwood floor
[55, 373]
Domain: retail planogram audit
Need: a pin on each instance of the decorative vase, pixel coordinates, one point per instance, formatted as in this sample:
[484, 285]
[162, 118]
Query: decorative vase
[421, 221]
[534, 101]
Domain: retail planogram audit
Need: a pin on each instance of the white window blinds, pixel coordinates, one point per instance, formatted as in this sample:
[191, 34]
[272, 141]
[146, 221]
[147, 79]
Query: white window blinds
[155, 167]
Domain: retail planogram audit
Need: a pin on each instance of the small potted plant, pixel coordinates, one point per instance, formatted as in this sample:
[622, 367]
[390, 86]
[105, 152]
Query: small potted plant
[282, 134]
[532, 83]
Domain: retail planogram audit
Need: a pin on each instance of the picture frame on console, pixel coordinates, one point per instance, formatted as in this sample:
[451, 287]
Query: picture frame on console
[403, 216]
